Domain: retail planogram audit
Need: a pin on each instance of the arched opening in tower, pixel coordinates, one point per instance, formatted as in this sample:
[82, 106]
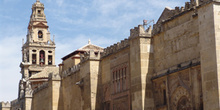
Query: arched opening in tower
[40, 34]
[42, 57]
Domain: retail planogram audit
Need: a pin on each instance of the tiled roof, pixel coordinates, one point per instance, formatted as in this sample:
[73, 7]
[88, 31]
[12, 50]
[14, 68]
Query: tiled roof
[45, 72]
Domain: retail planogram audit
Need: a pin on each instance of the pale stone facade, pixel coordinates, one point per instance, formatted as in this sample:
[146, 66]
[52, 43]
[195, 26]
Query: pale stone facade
[5, 106]
[173, 66]
[38, 59]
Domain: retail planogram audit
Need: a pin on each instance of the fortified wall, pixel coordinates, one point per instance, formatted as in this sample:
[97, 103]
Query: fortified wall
[172, 67]
[185, 44]
[5, 106]
[47, 95]
[80, 83]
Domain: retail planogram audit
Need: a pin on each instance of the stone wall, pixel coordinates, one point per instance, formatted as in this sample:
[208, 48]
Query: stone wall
[209, 24]
[80, 84]
[5, 106]
[115, 61]
[42, 98]
[178, 43]
[71, 92]
[115, 47]
[169, 89]
[141, 69]
[132, 57]
[70, 62]
[47, 96]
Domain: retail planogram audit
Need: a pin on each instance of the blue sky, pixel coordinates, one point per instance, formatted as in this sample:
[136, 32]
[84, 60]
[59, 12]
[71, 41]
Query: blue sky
[72, 22]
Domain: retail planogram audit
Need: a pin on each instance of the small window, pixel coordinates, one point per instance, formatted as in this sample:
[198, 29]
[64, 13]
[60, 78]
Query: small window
[164, 97]
[40, 34]
[33, 58]
[30, 74]
[39, 11]
[49, 51]
[50, 59]
[34, 50]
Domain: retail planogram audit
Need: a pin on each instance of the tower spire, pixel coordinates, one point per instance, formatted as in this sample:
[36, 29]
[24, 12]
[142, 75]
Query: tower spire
[37, 0]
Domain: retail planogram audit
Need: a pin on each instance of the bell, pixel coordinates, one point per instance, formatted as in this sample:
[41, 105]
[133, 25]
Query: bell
[42, 60]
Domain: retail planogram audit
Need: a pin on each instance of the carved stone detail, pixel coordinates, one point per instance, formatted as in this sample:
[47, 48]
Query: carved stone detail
[179, 96]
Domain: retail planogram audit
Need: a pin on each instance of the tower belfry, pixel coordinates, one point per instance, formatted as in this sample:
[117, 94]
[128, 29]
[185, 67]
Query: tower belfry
[38, 56]
[39, 50]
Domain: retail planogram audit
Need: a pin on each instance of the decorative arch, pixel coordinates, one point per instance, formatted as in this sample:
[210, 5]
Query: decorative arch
[180, 99]
[183, 104]
[42, 57]
[40, 34]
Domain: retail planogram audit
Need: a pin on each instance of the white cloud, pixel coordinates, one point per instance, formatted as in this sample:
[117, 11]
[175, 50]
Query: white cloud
[59, 2]
[104, 22]
[10, 57]
[114, 14]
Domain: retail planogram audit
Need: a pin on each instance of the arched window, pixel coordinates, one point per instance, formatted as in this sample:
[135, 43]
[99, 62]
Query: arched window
[42, 58]
[40, 34]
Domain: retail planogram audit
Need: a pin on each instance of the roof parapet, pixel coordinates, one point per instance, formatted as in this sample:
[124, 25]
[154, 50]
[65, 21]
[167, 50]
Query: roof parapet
[41, 87]
[140, 32]
[5, 105]
[14, 102]
[134, 33]
[169, 14]
[115, 47]
[70, 71]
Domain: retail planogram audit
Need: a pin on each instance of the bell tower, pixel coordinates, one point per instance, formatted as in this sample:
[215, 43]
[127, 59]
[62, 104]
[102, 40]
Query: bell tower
[38, 51]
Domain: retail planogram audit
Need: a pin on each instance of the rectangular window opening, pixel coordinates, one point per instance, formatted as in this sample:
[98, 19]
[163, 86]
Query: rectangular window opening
[39, 11]
[33, 58]
[50, 59]
[164, 97]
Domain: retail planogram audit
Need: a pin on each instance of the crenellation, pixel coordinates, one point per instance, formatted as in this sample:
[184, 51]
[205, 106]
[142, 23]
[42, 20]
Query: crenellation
[182, 9]
[14, 102]
[177, 10]
[54, 76]
[174, 66]
[41, 87]
[138, 32]
[115, 47]
[71, 71]
[187, 6]
[193, 3]
[173, 13]
[112, 48]
[91, 55]
[5, 105]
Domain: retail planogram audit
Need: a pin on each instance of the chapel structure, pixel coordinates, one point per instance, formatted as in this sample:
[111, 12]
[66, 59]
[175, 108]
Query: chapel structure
[171, 66]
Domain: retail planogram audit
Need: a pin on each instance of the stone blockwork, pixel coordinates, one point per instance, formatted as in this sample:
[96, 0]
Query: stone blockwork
[5, 106]
[208, 17]
[178, 43]
[169, 89]
[47, 95]
[173, 66]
